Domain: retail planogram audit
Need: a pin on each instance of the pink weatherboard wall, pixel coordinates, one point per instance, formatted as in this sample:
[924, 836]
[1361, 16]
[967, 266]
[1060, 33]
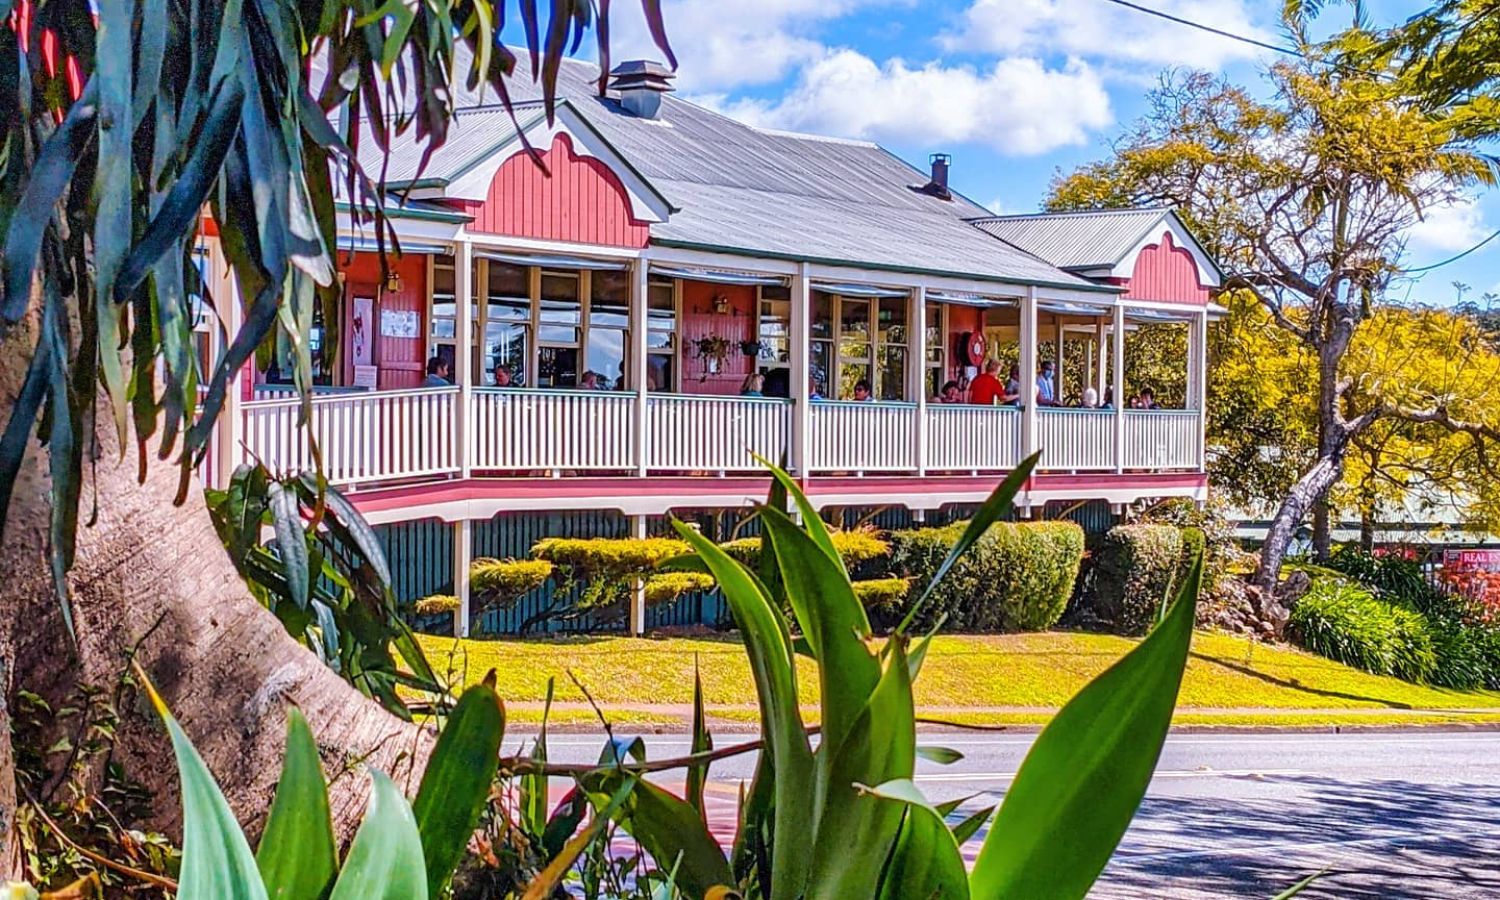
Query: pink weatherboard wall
[577, 199]
[1165, 272]
[700, 320]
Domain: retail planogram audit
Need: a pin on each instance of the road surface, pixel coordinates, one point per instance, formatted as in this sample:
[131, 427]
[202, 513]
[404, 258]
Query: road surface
[1388, 815]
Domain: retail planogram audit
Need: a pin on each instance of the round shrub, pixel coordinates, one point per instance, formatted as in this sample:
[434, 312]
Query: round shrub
[436, 604]
[881, 593]
[1018, 577]
[1135, 571]
[1346, 622]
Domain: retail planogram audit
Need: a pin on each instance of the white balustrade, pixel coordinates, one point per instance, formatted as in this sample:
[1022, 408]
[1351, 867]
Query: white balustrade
[1075, 439]
[1161, 439]
[863, 437]
[973, 438]
[375, 436]
[715, 434]
[554, 430]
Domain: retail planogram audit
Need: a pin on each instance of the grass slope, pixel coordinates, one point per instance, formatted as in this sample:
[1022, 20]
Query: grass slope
[998, 679]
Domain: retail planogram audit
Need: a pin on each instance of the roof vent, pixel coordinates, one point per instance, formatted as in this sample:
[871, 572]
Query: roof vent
[641, 84]
[938, 186]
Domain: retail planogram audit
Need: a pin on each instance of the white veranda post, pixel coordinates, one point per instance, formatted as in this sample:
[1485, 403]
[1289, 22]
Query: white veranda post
[916, 370]
[801, 452]
[463, 368]
[1117, 374]
[463, 555]
[639, 286]
[1028, 374]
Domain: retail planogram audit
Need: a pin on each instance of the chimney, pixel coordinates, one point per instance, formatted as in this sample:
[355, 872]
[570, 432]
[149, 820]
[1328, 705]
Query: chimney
[641, 84]
[938, 186]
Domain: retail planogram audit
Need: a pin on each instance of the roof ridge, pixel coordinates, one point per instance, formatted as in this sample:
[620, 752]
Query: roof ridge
[1066, 213]
[810, 136]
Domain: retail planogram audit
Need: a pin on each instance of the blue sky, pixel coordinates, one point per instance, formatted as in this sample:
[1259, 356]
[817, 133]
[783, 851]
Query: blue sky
[1014, 89]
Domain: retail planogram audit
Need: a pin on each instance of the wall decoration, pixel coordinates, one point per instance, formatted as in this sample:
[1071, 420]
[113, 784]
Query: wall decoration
[398, 323]
[361, 346]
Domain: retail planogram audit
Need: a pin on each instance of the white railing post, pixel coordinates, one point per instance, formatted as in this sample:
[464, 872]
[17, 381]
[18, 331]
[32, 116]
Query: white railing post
[1102, 351]
[463, 355]
[639, 290]
[463, 553]
[916, 367]
[800, 458]
[1028, 373]
[1200, 366]
[1118, 375]
[638, 590]
[231, 423]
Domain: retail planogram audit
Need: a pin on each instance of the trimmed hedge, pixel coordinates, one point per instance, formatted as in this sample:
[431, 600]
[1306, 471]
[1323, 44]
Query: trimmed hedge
[1135, 570]
[1345, 622]
[1018, 577]
[436, 605]
[664, 587]
[858, 545]
[499, 582]
[881, 593]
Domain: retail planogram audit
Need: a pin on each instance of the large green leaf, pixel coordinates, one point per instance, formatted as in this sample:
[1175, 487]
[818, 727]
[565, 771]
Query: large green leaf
[669, 828]
[998, 503]
[385, 860]
[291, 540]
[456, 785]
[926, 861]
[817, 529]
[1083, 779]
[769, 649]
[545, 885]
[534, 784]
[216, 860]
[856, 831]
[833, 621]
[703, 742]
[297, 856]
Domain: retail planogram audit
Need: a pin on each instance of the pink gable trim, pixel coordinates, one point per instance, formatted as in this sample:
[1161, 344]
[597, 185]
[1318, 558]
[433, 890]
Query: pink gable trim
[1167, 273]
[580, 201]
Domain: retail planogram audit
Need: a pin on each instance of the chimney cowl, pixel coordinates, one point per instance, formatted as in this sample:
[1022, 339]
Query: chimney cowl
[640, 84]
[938, 185]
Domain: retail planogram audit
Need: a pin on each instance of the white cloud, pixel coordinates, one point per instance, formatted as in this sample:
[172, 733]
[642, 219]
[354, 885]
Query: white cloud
[1450, 227]
[1018, 106]
[725, 45]
[1095, 29]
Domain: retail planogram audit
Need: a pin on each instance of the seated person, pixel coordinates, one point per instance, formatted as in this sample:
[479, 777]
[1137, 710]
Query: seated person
[950, 394]
[1012, 393]
[437, 373]
[1046, 390]
[1090, 398]
[862, 391]
[503, 377]
[1109, 399]
[590, 381]
[986, 388]
[813, 393]
[753, 386]
[1146, 400]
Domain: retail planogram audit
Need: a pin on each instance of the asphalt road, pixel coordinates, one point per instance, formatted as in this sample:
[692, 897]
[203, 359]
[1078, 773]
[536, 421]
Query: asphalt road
[1389, 815]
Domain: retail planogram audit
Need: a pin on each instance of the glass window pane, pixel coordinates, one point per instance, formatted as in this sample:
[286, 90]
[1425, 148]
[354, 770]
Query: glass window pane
[560, 307]
[821, 363]
[505, 346]
[822, 314]
[558, 334]
[891, 323]
[442, 277]
[612, 285]
[659, 295]
[854, 318]
[557, 367]
[661, 372]
[659, 340]
[776, 292]
[609, 314]
[934, 326]
[855, 350]
[605, 358]
[560, 286]
[443, 328]
[509, 297]
[893, 372]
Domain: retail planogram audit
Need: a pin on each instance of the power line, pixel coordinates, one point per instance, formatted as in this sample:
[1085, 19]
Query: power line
[1454, 258]
[1289, 51]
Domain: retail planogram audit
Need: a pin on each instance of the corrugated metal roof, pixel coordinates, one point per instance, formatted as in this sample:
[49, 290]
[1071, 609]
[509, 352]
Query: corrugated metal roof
[756, 191]
[1076, 240]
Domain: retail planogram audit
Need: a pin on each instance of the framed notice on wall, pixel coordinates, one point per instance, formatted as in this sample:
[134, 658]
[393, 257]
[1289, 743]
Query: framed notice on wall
[367, 377]
[361, 323]
[398, 323]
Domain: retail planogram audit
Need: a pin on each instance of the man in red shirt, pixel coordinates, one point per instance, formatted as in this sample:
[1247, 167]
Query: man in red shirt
[985, 388]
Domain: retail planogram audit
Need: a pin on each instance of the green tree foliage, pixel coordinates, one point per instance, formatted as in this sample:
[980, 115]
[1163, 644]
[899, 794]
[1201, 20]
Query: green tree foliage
[1305, 200]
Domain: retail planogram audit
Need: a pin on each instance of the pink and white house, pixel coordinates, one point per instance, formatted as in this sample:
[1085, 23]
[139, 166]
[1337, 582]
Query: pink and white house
[665, 253]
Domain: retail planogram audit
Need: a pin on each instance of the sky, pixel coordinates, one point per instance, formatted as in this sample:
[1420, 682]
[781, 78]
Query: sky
[1015, 90]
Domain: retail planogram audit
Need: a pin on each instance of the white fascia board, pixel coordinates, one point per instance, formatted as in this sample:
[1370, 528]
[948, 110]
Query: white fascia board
[416, 229]
[507, 243]
[705, 259]
[1208, 274]
[474, 184]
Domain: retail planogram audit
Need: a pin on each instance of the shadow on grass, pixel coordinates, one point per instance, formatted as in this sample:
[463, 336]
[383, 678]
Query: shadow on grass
[1297, 685]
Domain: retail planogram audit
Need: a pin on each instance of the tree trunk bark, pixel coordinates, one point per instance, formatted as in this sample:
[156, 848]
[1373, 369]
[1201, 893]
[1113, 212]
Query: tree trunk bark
[1294, 508]
[152, 579]
[1322, 531]
[1367, 530]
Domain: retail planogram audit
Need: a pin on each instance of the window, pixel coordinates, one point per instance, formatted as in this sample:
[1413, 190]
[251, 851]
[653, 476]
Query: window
[858, 339]
[507, 323]
[775, 335]
[609, 321]
[891, 337]
[820, 358]
[937, 349]
[661, 336]
[855, 362]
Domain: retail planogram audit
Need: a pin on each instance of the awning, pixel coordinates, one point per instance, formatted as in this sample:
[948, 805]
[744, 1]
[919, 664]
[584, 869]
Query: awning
[367, 245]
[969, 299]
[716, 276]
[1158, 315]
[858, 290]
[552, 261]
[1061, 307]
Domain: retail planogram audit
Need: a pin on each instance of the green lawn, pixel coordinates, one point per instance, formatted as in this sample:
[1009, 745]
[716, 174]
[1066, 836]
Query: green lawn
[990, 679]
